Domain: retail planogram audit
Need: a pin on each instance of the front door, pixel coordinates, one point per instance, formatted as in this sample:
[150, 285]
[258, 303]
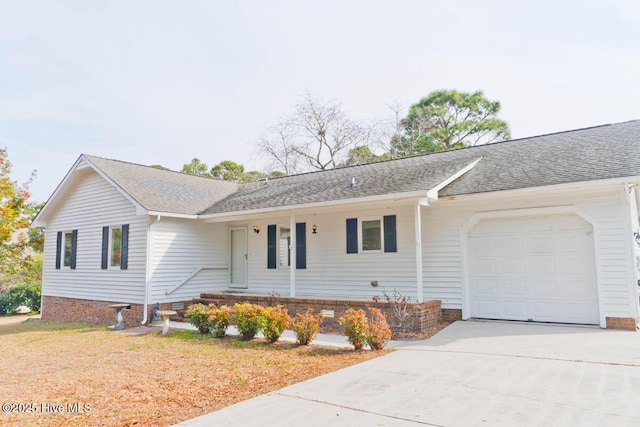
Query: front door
[238, 261]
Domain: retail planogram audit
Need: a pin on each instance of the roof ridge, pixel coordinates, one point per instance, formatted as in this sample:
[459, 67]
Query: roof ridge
[210, 178]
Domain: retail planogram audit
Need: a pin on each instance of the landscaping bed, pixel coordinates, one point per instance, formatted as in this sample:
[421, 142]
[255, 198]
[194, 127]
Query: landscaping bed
[74, 374]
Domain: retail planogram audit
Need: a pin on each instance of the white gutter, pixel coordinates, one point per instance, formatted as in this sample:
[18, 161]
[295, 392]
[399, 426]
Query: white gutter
[147, 274]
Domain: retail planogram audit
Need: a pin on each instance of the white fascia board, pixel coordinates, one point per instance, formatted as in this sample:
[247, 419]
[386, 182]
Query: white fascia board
[358, 200]
[40, 221]
[433, 193]
[546, 188]
[171, 215]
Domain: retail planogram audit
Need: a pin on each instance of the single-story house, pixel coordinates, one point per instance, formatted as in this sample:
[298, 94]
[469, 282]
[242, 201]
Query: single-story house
[541, 229]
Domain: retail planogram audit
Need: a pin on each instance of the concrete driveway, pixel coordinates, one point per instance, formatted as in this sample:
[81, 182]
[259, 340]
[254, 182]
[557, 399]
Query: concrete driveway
[473, 373]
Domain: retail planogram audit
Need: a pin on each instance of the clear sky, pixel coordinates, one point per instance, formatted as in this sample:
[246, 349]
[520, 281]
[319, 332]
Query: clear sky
[161, 82]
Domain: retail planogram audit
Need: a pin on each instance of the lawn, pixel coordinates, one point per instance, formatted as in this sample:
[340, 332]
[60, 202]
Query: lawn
[122, 380]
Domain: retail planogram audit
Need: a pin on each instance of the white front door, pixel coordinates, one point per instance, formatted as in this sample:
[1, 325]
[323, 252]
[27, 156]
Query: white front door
[238, 258]
[533, 268]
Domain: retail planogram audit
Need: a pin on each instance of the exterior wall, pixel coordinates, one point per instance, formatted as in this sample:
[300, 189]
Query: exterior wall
[331, 272]
[606, 206]
[90, 205]
[178, 248]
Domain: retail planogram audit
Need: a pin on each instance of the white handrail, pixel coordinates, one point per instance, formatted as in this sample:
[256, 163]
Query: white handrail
[191, 276]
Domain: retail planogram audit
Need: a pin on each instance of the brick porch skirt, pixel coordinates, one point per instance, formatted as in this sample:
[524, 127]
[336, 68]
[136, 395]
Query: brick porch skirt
[421, 317]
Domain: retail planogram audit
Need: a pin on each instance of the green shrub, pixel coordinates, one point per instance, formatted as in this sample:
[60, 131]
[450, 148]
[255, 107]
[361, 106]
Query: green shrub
[219, 320]
[247, 319]
[199, 317]
[356, 327]
[378, 331]
[306, 326]
[27, 294]
[274, 320]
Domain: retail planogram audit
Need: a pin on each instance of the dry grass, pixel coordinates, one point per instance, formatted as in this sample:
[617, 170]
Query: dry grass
[143, 380]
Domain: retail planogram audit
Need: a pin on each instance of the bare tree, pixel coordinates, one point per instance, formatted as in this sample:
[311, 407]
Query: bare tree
[318, 134]
[277, 144]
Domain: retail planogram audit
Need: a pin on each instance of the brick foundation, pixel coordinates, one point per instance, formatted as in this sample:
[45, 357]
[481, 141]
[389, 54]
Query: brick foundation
[421, 317]
[63, 309]
[450, 315]
[628, 323]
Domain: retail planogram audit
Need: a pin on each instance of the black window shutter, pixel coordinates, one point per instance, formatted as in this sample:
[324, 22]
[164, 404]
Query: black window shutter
[352, 235]
[124, 250]
[301, 245]
[105, 247]
[74, 248]
[390, 240]
[58, 250]
[271, 246]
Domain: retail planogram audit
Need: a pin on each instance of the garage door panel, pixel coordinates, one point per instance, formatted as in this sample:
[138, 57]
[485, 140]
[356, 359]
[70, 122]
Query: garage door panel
[575, 266]
[545, 311]
[578, 312]
[533, 268]
[511, 246]
[543, 289]
[514, 288]
[512, 266]
[576, 289]
[485, 266]
[543, 266]
[488, 309]
[541, 246]
[515, 310]
[571, 244]
[487, 288]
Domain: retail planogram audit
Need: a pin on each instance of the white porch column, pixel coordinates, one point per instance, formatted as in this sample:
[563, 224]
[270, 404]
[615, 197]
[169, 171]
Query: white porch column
[418, 228]
[292, 251]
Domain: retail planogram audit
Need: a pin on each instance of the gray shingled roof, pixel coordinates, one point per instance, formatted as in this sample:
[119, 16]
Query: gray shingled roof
[165, 191]
[602, 152]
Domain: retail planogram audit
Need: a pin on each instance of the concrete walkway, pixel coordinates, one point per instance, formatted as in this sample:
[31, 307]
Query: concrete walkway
[471, 374]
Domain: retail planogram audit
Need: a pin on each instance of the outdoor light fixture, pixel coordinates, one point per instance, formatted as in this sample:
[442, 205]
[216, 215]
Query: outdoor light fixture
[637, 236]
[315, 229]
[256, 229]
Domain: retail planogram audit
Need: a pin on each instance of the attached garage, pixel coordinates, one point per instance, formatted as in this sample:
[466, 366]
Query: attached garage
[537, 268]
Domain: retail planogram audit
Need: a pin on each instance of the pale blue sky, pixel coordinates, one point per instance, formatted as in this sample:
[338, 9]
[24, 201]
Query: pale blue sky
[165, 81]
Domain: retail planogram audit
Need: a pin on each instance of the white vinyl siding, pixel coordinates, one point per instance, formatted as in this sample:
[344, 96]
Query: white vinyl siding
[331, 272]
[92, 204]
[442, 252]
[181, 246]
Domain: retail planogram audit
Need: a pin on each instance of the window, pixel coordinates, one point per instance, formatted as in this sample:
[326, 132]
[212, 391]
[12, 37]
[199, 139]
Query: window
[279, 246]
[284, 247]
[66, 249]
[371, 234]
[115, 247]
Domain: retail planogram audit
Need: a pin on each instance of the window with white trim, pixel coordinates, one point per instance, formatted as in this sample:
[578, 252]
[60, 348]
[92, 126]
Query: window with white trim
[284, 247]
[115, 247]
[371, 234]
[66, 248]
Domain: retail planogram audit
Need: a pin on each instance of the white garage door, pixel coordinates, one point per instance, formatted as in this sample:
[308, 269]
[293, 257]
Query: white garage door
[533, 268]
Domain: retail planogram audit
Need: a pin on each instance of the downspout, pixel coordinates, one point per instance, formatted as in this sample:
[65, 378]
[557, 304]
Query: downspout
[147, 274]
[633, 246]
